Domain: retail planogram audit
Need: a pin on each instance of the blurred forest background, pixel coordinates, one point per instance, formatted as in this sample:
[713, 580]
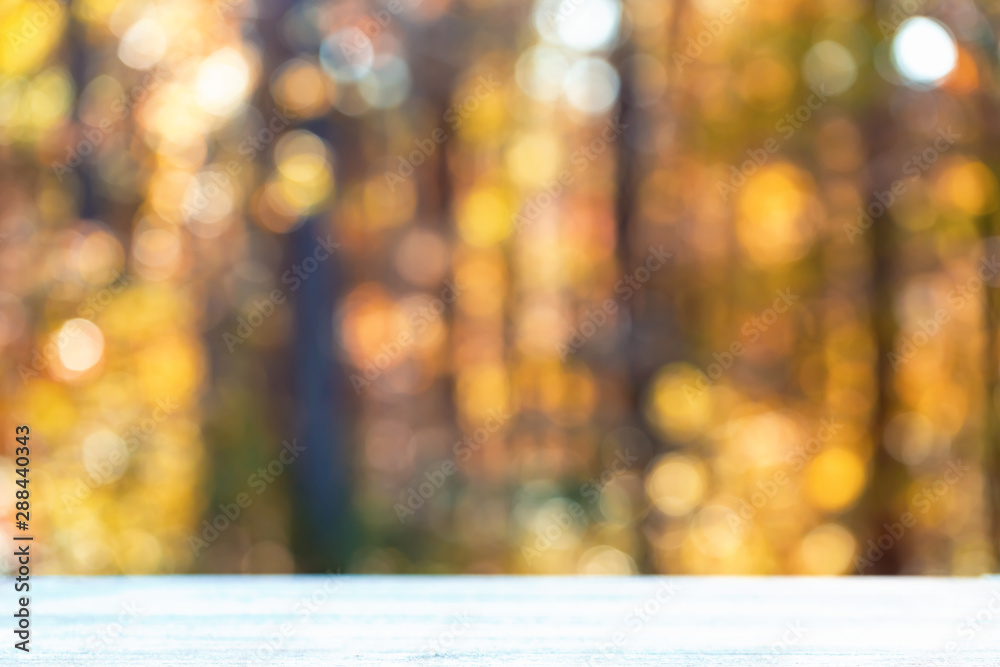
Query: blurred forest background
[551, 286]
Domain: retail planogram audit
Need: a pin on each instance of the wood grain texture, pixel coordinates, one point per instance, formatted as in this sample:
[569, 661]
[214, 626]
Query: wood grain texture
[423, 620]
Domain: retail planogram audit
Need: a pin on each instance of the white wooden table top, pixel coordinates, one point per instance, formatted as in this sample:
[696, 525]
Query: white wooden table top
[424, 620]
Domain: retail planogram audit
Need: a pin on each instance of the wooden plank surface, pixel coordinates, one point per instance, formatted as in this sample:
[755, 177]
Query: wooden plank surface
[422, 620]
